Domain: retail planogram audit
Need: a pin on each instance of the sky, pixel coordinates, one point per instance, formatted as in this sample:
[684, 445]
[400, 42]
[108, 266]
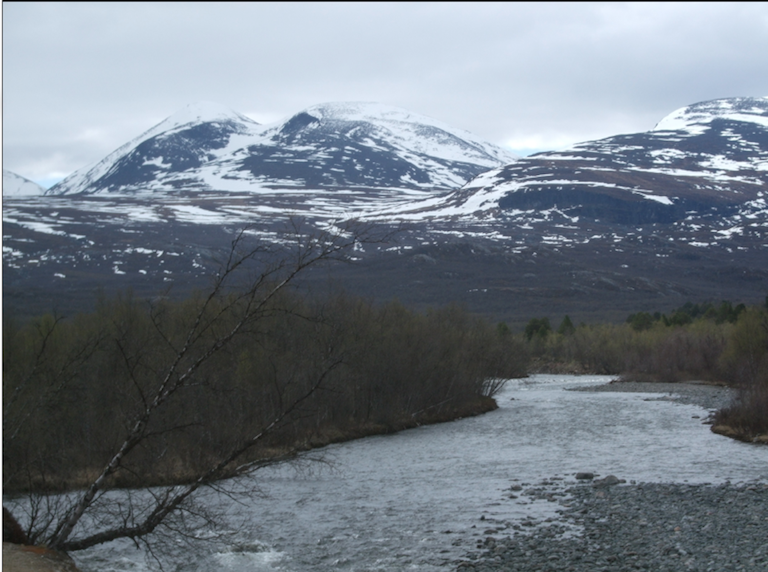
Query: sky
[81, 79]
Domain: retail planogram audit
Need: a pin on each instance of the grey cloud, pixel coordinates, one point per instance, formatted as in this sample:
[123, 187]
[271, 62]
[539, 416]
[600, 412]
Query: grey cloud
[81, 79]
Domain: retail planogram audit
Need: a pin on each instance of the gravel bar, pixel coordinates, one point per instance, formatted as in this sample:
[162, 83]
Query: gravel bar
[606, 525]
[619, 527]
[708, 396]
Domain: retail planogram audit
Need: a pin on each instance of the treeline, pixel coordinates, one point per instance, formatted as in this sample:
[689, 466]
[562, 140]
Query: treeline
[709, 342]
[688, 313]
[328, 370]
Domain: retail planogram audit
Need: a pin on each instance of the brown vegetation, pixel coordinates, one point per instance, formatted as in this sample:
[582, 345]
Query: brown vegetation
[385, 368]
[745, 358]
[12, 531]
[18, 558]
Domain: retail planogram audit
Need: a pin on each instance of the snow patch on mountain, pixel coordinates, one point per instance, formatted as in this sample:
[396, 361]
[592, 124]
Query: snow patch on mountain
[207, 147]
[413, 132]
[220, 119]
[695, 118]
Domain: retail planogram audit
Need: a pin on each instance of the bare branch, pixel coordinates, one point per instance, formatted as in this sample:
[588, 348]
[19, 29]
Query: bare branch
[248, 305]
[174, 497]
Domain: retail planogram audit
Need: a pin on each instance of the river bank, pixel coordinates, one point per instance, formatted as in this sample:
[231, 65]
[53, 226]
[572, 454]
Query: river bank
[24, 558]
[317, 438]
[710, 396]
[19, 558]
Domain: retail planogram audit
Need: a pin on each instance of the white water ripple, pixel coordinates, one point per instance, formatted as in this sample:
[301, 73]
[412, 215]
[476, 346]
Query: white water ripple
[419, 499]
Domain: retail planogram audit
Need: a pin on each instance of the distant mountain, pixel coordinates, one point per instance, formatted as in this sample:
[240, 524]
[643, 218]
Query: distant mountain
[17, 186]
[634, 222]
[206, 147]
[168, 156]
[707, 161]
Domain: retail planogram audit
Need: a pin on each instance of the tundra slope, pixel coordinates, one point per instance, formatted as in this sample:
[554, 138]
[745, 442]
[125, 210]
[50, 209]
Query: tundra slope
[633, 222]
[636, 221]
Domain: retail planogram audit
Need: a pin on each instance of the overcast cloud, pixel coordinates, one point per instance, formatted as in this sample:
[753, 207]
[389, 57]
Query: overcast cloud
[81, 79]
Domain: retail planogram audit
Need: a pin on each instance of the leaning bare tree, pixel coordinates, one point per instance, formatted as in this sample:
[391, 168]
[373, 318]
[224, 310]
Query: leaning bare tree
[240, 298]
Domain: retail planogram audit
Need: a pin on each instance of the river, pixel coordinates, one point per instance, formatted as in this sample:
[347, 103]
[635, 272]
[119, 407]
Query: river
[419, 499]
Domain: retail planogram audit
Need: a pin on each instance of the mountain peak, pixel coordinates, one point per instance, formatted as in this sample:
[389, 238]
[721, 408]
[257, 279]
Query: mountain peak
[17, 186]
[747, 109]
[203, 112]
[207, 146]
[198, 113]
[206, 128]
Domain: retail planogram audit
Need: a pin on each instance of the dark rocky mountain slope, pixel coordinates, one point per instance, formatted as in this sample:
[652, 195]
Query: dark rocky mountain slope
[207, 147]
[634, 222]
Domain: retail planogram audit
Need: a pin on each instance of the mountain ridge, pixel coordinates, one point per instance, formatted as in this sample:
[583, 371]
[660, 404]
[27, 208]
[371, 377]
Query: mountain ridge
[210, 148]
[633, 222]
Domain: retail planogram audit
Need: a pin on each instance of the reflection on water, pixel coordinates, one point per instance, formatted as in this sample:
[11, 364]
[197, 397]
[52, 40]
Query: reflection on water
[419, 499]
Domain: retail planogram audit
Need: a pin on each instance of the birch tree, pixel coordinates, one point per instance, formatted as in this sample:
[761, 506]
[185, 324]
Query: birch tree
[240, 297]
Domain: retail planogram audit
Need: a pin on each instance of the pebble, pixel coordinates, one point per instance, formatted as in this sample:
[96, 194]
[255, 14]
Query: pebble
[651, 526]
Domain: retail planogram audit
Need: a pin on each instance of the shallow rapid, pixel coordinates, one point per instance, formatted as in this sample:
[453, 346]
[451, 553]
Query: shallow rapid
[420, 499]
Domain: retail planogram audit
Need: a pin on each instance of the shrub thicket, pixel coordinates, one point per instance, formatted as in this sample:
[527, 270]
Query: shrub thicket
[745, 361]
[694, 343]
[70, 387]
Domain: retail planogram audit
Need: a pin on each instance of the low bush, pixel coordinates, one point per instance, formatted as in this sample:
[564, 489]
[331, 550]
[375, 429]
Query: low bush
[747, 419]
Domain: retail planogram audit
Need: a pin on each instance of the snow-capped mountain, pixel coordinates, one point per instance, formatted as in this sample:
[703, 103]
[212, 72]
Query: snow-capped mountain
[633, 222]
[166, 156]
[17, 186]
[370, 145]
[705, 160]
[207, 147]
[693, 118]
